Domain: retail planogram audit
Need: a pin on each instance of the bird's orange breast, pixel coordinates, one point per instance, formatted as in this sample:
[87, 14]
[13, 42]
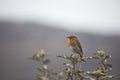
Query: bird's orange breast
[71, 42]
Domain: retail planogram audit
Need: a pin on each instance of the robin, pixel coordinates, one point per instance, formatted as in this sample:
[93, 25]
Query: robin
[75, 45]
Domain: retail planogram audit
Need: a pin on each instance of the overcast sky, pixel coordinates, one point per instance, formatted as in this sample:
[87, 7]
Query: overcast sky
[85, 15]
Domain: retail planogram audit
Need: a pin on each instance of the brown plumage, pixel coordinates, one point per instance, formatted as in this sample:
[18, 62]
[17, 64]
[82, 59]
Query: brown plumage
[75, 45]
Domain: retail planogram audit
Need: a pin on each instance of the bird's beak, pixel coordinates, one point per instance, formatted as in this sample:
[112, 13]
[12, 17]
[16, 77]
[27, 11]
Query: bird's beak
[68, 37]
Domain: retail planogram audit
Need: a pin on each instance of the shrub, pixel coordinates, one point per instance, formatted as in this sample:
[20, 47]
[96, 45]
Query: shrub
[71, 71]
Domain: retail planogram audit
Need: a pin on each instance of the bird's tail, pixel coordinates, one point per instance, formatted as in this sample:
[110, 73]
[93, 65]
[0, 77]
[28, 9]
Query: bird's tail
[81, 55]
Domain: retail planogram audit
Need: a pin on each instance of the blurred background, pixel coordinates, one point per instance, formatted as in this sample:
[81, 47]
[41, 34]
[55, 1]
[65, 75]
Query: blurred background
[27, 26]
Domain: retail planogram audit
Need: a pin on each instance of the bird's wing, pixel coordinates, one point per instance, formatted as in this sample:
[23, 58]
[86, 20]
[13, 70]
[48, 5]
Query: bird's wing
[79, 45]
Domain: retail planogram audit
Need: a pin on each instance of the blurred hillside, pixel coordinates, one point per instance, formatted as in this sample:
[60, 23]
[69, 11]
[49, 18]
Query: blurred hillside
[18, 41]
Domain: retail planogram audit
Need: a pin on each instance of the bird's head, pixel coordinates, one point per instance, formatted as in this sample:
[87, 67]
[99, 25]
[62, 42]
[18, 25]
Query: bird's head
[71, 40]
